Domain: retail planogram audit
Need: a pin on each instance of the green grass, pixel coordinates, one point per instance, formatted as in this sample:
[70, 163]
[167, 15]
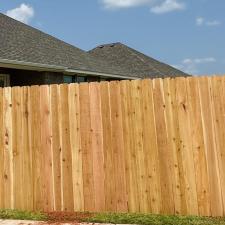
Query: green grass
[21, 215]
[148, 219]
[118, 218]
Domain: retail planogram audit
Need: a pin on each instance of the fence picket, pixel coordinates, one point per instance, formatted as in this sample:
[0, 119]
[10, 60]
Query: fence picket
[154, 146]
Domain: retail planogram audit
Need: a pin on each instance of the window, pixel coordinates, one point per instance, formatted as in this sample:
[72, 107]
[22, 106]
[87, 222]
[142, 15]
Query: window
[68, 79]
[4, 80]
[81, 79]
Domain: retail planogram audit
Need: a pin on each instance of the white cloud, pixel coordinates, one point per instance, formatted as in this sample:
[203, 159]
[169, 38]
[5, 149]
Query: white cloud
[213, 23]
[199, 60]
[168, 6]
[156, 6]
[113, 4]
[24, 13]
[190, 66]
[200, 21]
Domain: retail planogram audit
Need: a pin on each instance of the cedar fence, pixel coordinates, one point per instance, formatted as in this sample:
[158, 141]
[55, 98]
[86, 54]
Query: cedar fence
[154, 146]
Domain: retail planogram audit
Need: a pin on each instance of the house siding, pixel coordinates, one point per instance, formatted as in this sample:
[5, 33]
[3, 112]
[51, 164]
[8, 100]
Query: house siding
[23, 77]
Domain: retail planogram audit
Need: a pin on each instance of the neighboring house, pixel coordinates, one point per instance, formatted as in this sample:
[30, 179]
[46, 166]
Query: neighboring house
[134, 63]
[29, 56]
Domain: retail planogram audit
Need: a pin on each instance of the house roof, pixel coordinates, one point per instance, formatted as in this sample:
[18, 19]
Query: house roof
[23, 43]
[134, 62]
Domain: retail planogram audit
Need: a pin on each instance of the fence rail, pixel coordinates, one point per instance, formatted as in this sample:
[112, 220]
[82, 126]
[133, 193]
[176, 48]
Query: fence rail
[153, 146]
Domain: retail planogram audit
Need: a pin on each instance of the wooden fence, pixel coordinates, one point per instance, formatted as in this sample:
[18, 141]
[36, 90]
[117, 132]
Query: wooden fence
[153, 146]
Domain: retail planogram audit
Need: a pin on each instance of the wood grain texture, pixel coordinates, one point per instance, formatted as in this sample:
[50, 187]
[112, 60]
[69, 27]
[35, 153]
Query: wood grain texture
[87, 153]
[18, 150]
[66, 168]
[45, 150]
[118, 147]
[75, 139]
[109, 164]
[138, 144]
[154, 146]
[35, 132]
[173, 145]
[185, 146]
[211, 147]
[150, 147]
[1, 150]
[130, 171]
[56, 147]
[7, 148]
[27, 151]
[199, 151]
[165, 157]
[217, 95]
[97, 146]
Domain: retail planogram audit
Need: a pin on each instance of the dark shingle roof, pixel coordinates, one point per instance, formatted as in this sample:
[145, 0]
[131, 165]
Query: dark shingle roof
[21, 42]
[133, 62]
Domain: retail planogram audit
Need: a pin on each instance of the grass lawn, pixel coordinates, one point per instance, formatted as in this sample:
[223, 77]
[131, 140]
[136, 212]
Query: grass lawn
[21, 215]
[115, 218]
[148, 219]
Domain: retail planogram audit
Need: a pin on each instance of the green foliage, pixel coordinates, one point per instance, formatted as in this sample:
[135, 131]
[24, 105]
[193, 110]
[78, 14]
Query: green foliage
[21, 215]
[148, 219]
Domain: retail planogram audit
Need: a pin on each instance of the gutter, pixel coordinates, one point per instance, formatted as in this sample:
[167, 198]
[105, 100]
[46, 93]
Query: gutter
[14, 64]
[99, 74]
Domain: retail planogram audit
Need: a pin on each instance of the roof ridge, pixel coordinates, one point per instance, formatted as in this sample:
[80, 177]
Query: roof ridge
[133, 51]
[108, 44]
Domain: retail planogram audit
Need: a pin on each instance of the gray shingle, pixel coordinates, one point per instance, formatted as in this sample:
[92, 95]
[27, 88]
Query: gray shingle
[24, 43]
[134, 62]
[21, 42]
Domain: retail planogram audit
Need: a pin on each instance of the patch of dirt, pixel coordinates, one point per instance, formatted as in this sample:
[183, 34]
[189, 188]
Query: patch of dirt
[57, 218]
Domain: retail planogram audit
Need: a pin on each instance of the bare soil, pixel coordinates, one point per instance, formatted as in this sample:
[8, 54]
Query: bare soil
[57, 218]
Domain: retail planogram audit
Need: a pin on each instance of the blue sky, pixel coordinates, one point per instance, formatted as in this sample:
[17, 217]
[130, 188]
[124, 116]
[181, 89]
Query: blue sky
[188, 34]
